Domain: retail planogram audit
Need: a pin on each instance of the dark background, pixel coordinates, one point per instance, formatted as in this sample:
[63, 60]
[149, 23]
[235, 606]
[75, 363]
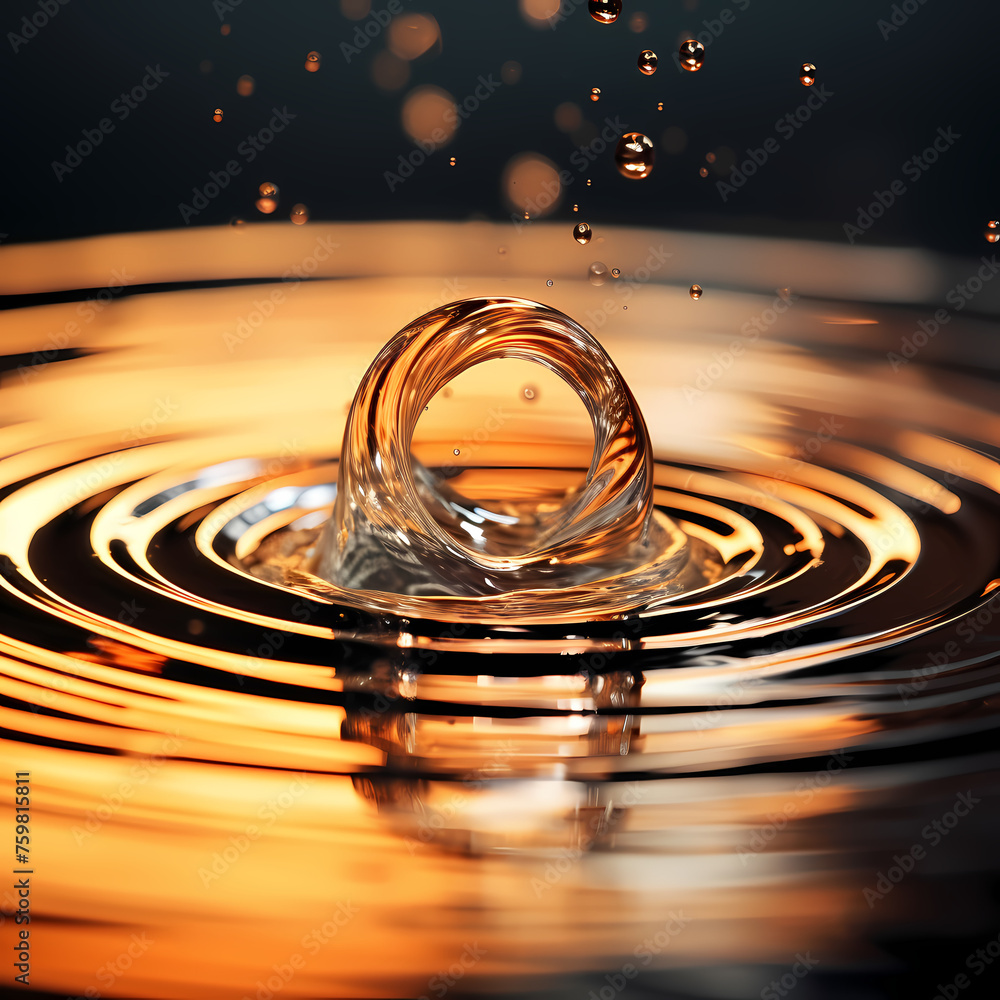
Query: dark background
[889, 98]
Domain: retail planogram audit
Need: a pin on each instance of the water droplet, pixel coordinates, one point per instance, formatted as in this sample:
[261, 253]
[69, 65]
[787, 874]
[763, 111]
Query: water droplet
[615, 272]
[217, 115]
[268, 190]
[647, 62]
[225, 29]
[501, 250]
[456, 451]
[710, 157]
[807, 74]
[576, 208]
[549, 282]
[266, 205]
[703, 171]
[695, 292]
[312, 62]
[237, 221]
[582, 233]
[244, 86]
[634, 155]
[451, 161]
[300, 215]
[595, 93]
[625, 308]
[784, 293]
[692, 55]
[597, 273]
[526, 214]
[529, 392]
[992, 231]
[659, 106]
[605, 11]
[588, 182]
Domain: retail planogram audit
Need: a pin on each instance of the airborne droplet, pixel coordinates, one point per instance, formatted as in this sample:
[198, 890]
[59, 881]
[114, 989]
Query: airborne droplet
[659, 107]
[595, 93]
[312, 62]
[456, 451]
[647, 62]
[268, 190]
[634, 155]
[582, 233]
[549, 282]
[807, 74]
[266, 205]
[992, 231]
[615, 272]
[695, 292]
[300, 215]
[692, 55]
[605, 11]
[529, 392]
[703, 171]
[217, 115]
[451, 162]
[597, 273]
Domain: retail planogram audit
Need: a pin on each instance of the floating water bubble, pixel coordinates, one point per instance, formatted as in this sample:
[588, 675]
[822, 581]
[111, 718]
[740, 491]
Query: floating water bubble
[225, 29]
[266, 205]
[312, 62]
[634, 155]
[597, 273]
[588, 182]
[703, 171]
[615, 272]
[549, 282]
[529, 392]
[217, 115]
[268, 190]
[710, 157]
[576, 208]
[456, 451]
[659, 106]
[692, 54]
[300, 215]
[647, 62]
[451, 161]
[992, 231]
[604, 11]
[695, 292]
[807, 74]
[595, 93]
[582, 233]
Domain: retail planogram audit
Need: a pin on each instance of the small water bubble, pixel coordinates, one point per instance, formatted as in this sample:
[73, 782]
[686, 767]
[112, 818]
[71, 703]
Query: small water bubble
[992, 231]
[710, 157]
[312, 62]
[703, 171]
[659, 106]
[807, 74]
[244, 86]
[582, 233]
[647, 62]
[576, 208]
[452, 161]
[597, 273]
[237, 221]
[456, 451]
[529, 392]
[615, 272]
[266, 205]
[268, 190]
[501, 250]
[300, 215]
[549, 282]
[595, 93]
[634, 155]
[692, 55]
[695, 292]
[588, 182]
[217, 115]
[604, 11]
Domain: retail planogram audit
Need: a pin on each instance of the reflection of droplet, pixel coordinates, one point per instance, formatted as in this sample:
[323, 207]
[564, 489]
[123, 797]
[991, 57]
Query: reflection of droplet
[595, 93]
[217, 115]
[549, 282]
[268, 190]
[244, 86]
[807, 74]
[300, 215]
[597, 273]
[703, 171]
[237, 221]
[695, 292]
[647, 62]
[529, 392]
[692, 55]
[312, 62]
[992, 231]
[615, 272]
[605, 11]
[634, 155]
[582, 233]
